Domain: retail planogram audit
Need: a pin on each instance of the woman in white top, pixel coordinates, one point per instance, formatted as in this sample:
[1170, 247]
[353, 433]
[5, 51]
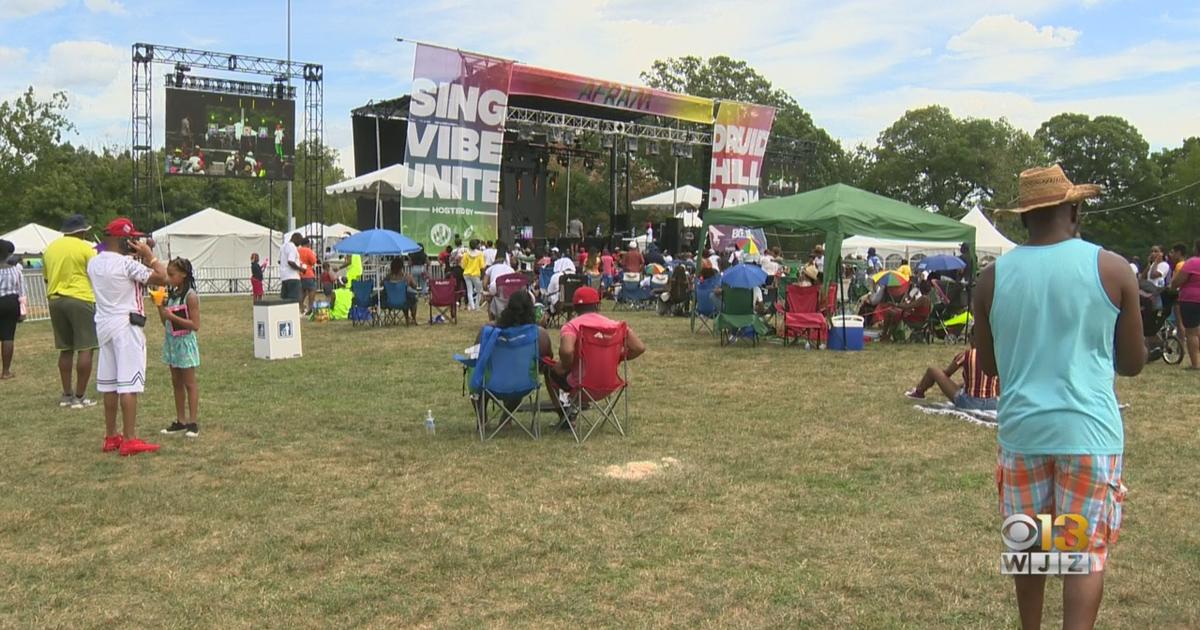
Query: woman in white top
[12, 290]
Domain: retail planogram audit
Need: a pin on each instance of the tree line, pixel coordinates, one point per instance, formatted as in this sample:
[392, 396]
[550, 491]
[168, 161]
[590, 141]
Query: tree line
[929, 158]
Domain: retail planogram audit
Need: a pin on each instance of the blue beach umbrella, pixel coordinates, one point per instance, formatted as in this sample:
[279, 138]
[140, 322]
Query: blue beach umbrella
[744, 276]
[941, 262]
[377, 242]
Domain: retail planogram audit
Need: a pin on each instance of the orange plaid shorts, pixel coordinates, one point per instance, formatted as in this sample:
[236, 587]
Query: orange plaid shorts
[1089, 485]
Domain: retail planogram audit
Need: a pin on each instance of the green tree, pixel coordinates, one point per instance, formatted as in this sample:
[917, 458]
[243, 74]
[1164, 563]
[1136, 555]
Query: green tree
[1180, 211]
[1108, 150]
[30, 132]
[932, 159]
[721, 77]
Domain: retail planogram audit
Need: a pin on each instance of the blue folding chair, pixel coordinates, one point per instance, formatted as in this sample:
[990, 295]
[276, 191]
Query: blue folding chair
[706, 306]
[395, 306]
[360, 311]
[544, 277]
[632, 295]
[505, 375]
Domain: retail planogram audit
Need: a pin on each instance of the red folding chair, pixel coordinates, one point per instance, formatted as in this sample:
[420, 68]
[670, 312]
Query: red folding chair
[599, 380]
[506, 286]
[804, 315]
[443, 296]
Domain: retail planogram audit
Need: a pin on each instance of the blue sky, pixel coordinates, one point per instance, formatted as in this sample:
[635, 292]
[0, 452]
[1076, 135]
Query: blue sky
[855, 65]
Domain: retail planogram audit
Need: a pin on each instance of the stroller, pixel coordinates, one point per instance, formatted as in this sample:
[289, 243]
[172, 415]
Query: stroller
[949, 319]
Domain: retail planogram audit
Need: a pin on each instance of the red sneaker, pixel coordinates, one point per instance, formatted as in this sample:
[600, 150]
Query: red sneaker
[112, 443]
[135, 446]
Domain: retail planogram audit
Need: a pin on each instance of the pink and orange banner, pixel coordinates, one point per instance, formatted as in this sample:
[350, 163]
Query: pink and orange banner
[740, 136]
[533, 81]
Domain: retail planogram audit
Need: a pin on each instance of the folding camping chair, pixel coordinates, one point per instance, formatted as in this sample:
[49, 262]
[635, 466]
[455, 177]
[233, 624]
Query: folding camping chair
[395, 303]
[361, 310]
[443, 297]
[506, 374]
[568, 283]
[632, 296]
[706, 306]
[803, 315]
[506, 286]
[544, 276]
[737, 315]
[600, 380]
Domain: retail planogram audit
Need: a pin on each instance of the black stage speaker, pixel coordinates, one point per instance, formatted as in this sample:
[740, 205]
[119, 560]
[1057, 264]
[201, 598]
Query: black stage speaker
[620, 225]
[670, 235]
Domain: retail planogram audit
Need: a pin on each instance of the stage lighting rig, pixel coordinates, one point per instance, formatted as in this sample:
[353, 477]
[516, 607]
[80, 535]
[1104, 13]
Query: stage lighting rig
[606, 141]
[652, 148]
[631, 145]
[179, 70]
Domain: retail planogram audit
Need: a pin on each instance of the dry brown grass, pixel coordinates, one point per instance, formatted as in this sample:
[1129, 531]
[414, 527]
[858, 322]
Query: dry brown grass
[807, 493]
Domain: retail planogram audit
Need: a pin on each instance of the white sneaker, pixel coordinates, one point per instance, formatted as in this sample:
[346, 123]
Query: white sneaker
[66, 401]
[83, 402]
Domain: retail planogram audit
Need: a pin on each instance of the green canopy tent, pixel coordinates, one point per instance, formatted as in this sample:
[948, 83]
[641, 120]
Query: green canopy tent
[840, 211]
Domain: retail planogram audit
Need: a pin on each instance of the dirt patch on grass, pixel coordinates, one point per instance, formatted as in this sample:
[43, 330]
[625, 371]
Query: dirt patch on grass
[636, 471]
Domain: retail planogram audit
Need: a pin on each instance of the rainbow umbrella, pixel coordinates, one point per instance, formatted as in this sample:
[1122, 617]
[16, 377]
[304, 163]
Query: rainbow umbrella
[750, 248]
[890, 279]
[655, 269]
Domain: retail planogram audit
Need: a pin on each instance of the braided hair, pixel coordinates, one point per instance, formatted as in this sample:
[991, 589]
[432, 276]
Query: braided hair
[183, 266]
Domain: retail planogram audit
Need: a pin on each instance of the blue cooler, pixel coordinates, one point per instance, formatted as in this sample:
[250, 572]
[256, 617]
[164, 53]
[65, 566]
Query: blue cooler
[852, 327]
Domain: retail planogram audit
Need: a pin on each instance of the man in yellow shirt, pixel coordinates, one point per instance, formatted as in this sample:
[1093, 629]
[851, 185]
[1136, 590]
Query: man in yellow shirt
[72, 309]
[905, 270]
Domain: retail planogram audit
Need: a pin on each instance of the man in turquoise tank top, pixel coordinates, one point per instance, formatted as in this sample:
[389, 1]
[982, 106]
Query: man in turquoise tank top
[1057, 319]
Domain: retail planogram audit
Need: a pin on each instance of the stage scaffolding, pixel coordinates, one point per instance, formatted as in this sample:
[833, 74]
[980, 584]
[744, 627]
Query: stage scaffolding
[146, 169]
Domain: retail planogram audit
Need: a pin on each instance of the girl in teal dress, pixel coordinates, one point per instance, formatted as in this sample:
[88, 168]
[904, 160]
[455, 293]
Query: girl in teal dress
[180, 315]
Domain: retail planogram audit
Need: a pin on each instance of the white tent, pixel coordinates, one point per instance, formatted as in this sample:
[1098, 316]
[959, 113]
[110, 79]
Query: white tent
[211, 238]
[683, 198]
[339, 230]
[32, 238]
[989, 242]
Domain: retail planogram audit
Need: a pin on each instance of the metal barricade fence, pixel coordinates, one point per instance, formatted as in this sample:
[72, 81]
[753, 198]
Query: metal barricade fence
[38, 303]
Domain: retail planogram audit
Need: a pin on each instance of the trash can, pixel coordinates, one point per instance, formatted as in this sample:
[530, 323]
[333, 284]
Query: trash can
[276, 330]
[846, 333]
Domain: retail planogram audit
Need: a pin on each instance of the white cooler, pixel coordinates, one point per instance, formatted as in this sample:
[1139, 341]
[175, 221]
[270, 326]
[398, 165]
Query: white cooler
[277, 330]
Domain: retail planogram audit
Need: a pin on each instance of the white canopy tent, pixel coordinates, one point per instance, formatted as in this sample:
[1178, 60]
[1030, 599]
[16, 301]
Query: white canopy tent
[31, 238]
[211, 238]
[989, 242]
[683, 198]
[390, 181]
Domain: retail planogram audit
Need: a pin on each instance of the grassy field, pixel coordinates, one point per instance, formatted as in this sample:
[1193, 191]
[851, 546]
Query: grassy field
[807, 493]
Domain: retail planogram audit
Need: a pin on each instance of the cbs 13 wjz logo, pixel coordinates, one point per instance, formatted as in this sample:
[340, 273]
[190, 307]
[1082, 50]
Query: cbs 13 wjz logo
[1035, 549]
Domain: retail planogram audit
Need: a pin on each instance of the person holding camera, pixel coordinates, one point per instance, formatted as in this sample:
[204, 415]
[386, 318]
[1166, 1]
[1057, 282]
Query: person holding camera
[119, 275]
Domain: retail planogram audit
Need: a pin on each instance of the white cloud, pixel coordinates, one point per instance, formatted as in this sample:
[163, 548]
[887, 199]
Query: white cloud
[1000, 34]
[17, 9]
[105, 6]
[82, 65]
[12, 57]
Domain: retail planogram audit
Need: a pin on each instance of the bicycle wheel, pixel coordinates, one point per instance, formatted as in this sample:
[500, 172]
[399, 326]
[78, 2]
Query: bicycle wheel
[1172, 351]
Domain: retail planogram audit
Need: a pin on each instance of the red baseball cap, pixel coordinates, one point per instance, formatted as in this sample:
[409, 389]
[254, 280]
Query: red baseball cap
[586, 295]
[121, 226]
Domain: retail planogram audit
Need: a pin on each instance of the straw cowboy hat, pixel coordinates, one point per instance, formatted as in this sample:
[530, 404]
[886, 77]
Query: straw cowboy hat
[1044, 187]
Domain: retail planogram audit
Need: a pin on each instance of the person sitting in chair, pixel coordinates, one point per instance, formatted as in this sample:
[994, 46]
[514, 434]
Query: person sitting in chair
[979, 392]
[518, 312]
[561, 376]
[399, 273]
[913, 308]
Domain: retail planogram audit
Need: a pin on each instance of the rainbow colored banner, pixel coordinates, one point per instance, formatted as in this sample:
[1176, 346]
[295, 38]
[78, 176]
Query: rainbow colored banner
[533, 81]
[740, 136]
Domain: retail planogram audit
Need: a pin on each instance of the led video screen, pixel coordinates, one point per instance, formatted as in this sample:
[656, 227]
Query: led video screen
[229, 135]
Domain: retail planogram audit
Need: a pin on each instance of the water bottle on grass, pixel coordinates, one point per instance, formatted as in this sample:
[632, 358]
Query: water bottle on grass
[430, 428]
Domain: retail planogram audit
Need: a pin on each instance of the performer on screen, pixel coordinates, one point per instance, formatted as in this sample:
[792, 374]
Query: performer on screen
[279, 141]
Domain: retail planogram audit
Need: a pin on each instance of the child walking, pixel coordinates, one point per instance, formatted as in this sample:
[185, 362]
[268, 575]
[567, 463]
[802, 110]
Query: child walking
[180, 314]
